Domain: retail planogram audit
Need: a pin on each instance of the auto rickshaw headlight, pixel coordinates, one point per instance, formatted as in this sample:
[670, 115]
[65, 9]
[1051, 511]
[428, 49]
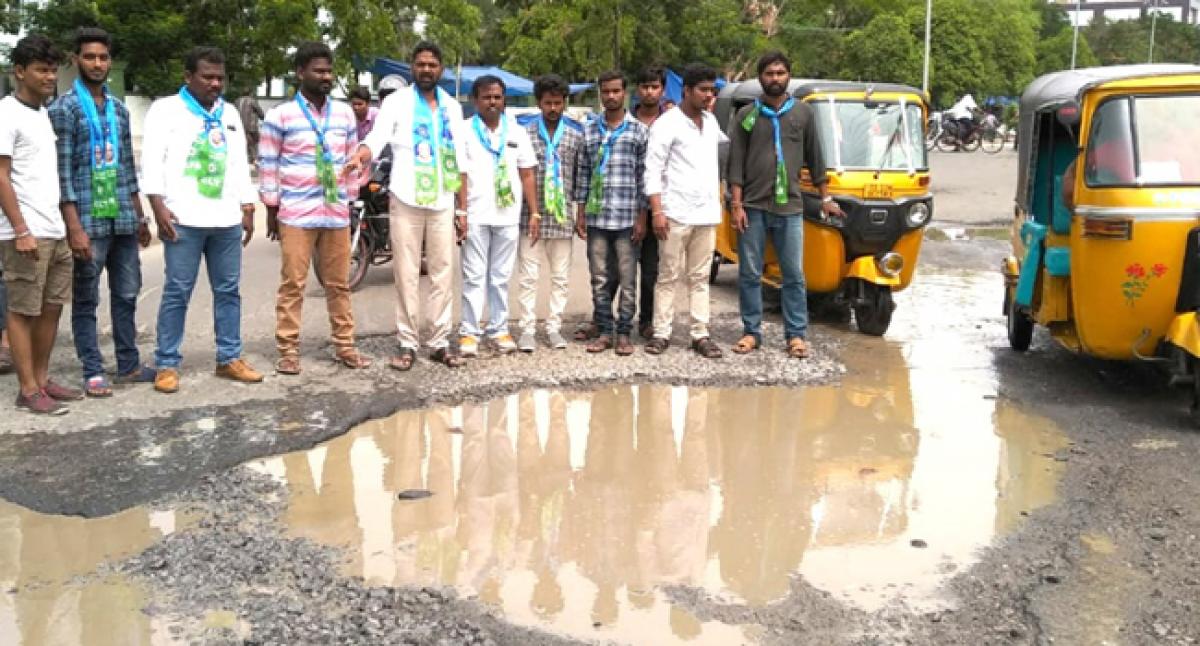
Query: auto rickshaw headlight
[918, 214]
[890, 264]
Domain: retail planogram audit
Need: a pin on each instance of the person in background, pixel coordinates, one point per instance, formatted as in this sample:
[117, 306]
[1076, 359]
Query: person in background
[556, 142]
[651, 83]
[251, 113]
[364, 112]
[103, 212]
[33, 245]
[422, 126]
[609, 195]
[683, 185]
[308, 210]
[500, 163]
[772, 139]
[203, 202]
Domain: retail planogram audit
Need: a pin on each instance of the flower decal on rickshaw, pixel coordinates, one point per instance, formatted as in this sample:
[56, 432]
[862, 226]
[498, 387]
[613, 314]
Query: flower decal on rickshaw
[1137, 280]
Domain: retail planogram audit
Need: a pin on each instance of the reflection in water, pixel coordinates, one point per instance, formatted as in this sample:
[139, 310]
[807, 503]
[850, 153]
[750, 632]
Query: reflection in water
[42, 599]
[571, 511]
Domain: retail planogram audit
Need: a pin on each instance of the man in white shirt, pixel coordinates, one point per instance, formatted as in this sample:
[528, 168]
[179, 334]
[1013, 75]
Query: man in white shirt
[422, 124]
[683, 186]
[500, 163]
[33, 246]
[203, 202]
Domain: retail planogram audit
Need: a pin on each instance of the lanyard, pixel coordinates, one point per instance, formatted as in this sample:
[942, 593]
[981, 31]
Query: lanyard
[112, 140]
[319, 130]
[551, 142]
[211, 119]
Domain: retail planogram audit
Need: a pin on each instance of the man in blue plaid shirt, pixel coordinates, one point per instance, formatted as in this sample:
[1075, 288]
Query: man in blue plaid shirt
[608, 191]
[102, 210]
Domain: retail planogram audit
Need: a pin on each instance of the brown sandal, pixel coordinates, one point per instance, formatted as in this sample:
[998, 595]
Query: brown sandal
[624, 345]
[657, 346]
[600, 344]
[354, 360]
[707, 349]
[797, 348]
[746, 345]
[448, 358]
[586, 332]
[288, 365]
[404, 360]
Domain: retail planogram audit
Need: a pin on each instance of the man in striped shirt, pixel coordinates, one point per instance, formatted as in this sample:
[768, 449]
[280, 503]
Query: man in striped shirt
[304, 144]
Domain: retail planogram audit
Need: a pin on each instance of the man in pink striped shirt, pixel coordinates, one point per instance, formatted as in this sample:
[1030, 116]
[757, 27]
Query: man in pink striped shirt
[305, 143]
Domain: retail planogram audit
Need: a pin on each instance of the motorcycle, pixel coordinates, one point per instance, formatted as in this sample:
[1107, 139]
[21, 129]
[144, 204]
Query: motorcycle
[370, 239]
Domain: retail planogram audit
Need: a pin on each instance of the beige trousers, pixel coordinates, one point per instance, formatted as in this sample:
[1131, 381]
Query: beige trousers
[557, 255]
[411, 230]
[686, 253]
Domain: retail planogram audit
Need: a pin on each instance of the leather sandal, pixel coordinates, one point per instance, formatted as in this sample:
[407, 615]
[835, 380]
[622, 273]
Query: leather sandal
[657, 345]
[600, 344]
[404, 360]
[289, 365]
[707, 349]
[448, 358]
[797, 348]
[353, 359]
[746, 345]
[624, 345]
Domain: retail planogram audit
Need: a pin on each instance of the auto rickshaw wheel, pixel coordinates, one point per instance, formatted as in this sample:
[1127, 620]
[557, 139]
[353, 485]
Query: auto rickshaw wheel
[873, 309]
[1020, 326]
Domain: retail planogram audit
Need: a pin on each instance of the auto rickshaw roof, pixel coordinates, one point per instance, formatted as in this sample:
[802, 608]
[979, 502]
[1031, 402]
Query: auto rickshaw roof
[751, 89]
[1057, 89]
[809, 88]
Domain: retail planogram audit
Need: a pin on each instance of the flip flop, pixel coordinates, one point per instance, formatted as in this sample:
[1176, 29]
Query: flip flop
[97, 387]
[140, 375]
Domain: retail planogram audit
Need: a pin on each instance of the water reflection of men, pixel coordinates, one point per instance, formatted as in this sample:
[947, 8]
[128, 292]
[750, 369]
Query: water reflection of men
[487, 497]
[543, 482]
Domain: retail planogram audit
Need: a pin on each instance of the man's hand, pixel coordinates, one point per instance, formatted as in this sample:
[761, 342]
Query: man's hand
[164, 220]
[27, 246]
[661, 226]
[740, 221]
[581, 228]
[831, 209]
[535, 230]
[143, 233]
[639, 229]
[460, 228]
[247, 223]
[81, 246]
[273, 223]
[356, 163]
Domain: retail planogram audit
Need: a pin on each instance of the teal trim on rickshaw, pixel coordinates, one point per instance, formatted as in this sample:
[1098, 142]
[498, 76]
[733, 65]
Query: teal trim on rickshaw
[1060, 218]
[1058, 261]
[1033, 235]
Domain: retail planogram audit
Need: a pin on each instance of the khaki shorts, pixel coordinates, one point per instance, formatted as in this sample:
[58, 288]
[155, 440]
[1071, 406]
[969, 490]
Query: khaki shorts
[33, 283]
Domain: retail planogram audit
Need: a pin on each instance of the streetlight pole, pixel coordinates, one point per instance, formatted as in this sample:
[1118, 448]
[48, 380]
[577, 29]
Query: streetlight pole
[1153, 23]
[928, 24]
[1075, 38]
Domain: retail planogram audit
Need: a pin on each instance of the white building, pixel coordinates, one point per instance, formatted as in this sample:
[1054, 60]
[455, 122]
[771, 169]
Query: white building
[1187, 11]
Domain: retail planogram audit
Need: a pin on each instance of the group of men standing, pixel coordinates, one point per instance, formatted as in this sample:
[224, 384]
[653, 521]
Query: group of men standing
[642, 188]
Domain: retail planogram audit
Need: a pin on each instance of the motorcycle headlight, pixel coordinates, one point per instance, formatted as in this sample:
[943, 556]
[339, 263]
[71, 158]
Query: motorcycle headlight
[918, 214]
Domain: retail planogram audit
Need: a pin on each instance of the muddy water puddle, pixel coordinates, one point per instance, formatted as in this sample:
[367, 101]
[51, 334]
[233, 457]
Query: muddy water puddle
[50, 591]
[572, 511]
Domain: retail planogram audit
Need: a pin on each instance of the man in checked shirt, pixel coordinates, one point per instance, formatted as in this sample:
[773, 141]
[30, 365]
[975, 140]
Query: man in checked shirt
[608, 190]
[556, 141]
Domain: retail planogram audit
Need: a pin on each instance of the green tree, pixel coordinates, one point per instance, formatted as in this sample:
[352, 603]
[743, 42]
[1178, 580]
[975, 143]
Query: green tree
[1054, 53]
[884, 50]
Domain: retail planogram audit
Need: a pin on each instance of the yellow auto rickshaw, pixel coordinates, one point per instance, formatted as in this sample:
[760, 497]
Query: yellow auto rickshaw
[872, 135]
[1118, 275]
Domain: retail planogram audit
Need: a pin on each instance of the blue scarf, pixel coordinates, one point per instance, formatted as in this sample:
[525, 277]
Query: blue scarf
[433, 149]
[552, 188]
[781, 177]
[503, 185]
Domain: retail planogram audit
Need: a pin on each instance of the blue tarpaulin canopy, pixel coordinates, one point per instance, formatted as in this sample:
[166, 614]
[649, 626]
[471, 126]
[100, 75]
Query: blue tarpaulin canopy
[516, 85]
[674, 89]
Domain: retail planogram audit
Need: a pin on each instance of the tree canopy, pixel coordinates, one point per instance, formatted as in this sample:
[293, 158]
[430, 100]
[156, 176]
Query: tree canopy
[986, 47]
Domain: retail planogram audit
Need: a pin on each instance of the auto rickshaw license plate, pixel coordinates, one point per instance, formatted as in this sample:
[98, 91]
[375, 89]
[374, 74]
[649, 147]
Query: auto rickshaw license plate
[877, 192]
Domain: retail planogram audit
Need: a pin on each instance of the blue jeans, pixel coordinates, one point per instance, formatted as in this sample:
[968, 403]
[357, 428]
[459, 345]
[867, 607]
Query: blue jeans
[488, 257]
[118, 255]
[613, 264]
[787, 236]
[222, 252]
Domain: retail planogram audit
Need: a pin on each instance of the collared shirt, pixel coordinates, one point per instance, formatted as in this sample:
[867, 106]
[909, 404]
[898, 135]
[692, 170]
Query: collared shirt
[480, 166]
[681, 166]
[287, 167]
[752, 157]
[623, 191]
[394, 126]
[169, 131]
[364, 127]
[75, 166]
[568, 151]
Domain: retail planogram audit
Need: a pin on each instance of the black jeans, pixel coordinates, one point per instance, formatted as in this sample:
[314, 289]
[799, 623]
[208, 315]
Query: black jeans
[648, 261]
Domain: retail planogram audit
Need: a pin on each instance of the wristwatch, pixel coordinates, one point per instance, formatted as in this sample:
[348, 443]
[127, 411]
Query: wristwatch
[462, 213]
[534, 215]
[827, 199]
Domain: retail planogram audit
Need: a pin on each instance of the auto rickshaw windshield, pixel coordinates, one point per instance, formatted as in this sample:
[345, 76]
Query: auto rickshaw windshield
[873, 135]
[1159, 127]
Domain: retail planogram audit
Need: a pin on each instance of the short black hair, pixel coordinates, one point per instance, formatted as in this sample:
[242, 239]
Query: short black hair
[212, 55]
[487, 80]
[772, 57]
[611, 75]
[550, 84]
[360, 93]
[309, 51]
[698, 73]
[651, 74]
[85, 35]
[427, 46]
[35, 48]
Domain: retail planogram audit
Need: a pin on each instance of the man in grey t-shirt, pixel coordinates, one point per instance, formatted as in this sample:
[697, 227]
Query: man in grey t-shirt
[770, 141]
